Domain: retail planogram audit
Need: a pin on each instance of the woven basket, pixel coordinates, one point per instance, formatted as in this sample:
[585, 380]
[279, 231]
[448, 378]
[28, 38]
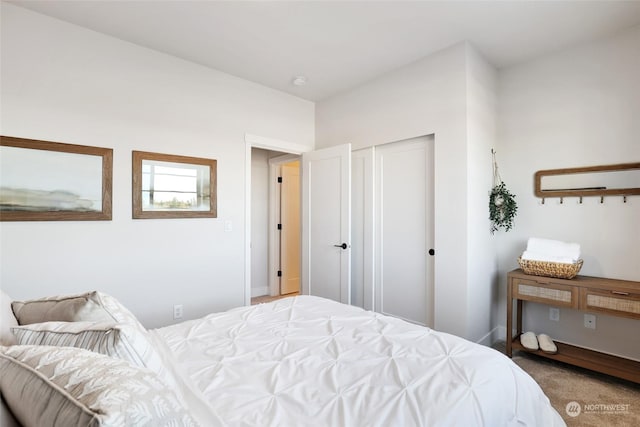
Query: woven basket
[550, 269]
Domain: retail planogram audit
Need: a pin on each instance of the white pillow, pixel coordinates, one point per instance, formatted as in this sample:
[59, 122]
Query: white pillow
[7, 320]
[121, 340]
[65, 386]
[88, 307]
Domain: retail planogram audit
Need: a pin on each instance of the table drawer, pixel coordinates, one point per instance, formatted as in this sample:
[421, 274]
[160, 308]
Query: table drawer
[617, 303]
[546, 292]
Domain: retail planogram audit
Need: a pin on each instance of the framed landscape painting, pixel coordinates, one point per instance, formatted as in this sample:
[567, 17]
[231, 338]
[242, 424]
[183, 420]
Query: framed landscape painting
[52, 181]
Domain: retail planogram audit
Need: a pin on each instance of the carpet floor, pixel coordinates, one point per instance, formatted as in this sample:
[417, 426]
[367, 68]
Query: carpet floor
[583, 398]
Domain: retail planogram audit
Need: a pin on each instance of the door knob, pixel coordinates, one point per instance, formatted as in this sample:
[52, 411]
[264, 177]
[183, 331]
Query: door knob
[432, 252]
[343, 246]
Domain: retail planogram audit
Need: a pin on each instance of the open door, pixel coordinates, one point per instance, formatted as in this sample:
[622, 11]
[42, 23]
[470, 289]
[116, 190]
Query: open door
[326, 223]
[290, 228]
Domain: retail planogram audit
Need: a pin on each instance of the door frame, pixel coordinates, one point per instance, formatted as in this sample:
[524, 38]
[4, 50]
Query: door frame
[274, 215]
[256, 141]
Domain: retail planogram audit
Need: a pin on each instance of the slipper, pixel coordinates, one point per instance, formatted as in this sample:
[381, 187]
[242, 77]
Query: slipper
[529, 341]
[546, 344]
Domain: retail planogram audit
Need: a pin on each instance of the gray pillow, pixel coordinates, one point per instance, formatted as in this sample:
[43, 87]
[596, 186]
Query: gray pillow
[121, 340]
[88, 307]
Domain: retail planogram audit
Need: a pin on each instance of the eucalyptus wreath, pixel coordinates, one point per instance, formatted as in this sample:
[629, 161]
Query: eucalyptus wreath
[502, 204]
[502, 208]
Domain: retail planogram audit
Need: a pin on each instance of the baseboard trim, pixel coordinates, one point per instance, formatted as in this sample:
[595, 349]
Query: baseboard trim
[499, 333]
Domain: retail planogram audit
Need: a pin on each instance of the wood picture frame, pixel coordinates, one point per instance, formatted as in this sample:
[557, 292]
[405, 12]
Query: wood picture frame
[54, 181]
[172, 186]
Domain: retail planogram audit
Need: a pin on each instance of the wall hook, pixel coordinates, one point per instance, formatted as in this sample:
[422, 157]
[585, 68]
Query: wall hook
[543, 200]
[601, 199]
[561, 200]
[624, 198]
[580, 199]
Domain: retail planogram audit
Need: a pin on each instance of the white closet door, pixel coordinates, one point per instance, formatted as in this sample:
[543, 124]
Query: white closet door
[404, 229]
[362, 197]
[326, 223]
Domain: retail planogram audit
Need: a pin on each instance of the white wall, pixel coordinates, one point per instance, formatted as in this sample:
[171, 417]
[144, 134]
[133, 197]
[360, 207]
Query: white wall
[427, 97]
[579, 107]
[64, 83]
[482, 273]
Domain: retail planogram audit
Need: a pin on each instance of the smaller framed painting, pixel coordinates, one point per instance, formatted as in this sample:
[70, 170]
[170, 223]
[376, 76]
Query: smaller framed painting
[170, 186]
[53, 181]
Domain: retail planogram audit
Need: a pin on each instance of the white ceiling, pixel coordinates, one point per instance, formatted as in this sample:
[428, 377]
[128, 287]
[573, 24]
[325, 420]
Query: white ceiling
[338, 45]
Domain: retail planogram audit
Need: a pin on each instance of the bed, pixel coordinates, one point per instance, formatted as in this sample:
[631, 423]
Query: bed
[309, 361]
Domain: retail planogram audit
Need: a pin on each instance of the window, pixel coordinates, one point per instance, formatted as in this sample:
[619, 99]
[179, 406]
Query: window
[167, 186]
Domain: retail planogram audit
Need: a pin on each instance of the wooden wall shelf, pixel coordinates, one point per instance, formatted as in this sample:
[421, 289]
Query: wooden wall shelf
[630, 189]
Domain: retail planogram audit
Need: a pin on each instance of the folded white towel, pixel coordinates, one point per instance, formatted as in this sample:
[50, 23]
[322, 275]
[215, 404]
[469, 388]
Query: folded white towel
[553, 248]
[533, 256]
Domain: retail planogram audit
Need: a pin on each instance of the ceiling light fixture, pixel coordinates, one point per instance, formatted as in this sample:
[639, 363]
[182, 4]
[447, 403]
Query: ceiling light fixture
[299, 81]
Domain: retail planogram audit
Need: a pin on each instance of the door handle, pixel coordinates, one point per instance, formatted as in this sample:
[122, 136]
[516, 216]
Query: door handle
[343, 246]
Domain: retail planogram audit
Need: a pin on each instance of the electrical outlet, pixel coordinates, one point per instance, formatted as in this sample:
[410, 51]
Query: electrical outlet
[590, 321]
[554, 314]
[177, 311]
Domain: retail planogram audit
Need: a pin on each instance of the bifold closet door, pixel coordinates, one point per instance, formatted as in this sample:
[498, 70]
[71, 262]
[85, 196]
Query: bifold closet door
[404, 229]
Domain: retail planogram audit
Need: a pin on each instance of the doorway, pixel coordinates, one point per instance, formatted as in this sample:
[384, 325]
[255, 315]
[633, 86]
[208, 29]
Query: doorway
[275, 224]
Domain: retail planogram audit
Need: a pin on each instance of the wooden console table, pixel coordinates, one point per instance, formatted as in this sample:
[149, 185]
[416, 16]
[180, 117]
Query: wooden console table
[593, 294]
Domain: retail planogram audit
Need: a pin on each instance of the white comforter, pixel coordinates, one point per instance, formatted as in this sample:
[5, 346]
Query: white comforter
[308, 361]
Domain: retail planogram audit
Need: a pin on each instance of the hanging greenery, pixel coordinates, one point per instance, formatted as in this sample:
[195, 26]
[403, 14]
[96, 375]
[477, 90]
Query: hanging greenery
[502, 208]
[502, 204]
